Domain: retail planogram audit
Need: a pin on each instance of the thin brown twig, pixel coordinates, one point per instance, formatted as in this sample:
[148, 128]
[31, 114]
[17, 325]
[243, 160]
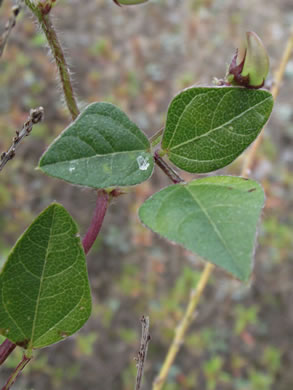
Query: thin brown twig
[35, 116]
[143, 350]
[169, 171]
[8, 27]
[6, 348]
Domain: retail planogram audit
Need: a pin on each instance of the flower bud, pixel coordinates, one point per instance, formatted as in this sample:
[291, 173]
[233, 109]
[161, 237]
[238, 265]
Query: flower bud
[250, 65]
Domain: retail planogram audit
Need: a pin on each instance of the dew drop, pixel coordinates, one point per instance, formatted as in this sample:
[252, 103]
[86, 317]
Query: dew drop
[143, 163]
[231, 127]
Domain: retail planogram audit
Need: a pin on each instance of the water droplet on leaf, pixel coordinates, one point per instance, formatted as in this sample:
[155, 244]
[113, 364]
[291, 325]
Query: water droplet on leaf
[143, 163]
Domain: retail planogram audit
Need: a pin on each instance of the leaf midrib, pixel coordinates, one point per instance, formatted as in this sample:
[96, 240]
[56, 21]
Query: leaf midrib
[219, 127]
[95, 156]
[216, 230]
[41, 282]
[185, 108]
[132, 131]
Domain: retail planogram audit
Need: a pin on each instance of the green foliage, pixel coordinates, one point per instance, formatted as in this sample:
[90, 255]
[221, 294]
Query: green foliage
[207, 340]
[101, 148]
[85, 343]
[245, 316]
[213, 370]
[208, 128]
[215, 217]
[260, 380]
[44, 283]
[272, 359]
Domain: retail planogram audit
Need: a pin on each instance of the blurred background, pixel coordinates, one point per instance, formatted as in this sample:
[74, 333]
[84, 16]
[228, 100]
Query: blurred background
[138, 58]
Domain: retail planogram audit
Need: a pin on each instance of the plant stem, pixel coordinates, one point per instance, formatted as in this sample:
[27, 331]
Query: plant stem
[251, 154]
[35, 116]
[173, 176]
[156, 138]
[60, 60]
[57, 51]
[16, 372]
[194, 299]
[143, 350]
[183, 326]
[8, 27]
[6, 348]
[103, 199]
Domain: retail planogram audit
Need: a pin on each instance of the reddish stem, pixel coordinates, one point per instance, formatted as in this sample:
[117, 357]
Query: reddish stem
[5, 350]
[16, 372]
[97, 220]
[173, 176]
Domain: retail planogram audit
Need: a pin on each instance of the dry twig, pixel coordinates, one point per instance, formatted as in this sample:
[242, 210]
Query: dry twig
[36, 115]
[9, 26]
[143, 349]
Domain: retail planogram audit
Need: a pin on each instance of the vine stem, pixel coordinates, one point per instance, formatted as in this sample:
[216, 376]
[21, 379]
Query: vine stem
[6, 348]
[102, 203]
[195, 297]
[16, 372]
[58, 54]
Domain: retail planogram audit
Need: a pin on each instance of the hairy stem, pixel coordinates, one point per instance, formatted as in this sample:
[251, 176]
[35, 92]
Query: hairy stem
[97, 220]
[6, 348]
[60, 60]
[57, 51]
[16, 372]
[194, 299]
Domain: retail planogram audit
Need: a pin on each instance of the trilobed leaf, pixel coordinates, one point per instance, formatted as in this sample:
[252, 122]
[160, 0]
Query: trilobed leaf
[44, 289]
[101, 148]
[208, 128]
[214, 217]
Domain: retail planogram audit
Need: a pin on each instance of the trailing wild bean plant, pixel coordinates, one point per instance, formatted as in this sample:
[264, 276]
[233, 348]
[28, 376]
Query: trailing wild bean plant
[44, 287]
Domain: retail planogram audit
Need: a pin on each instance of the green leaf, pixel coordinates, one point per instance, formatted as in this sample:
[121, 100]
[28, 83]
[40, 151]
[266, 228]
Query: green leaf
[101, 148]
[214, 217]
[208, 128]
[44, 289]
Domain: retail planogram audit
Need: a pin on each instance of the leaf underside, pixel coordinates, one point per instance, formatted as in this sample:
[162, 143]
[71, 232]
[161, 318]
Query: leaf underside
[44, 289]
[208, 128]
[101, 148]
[214, 217]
